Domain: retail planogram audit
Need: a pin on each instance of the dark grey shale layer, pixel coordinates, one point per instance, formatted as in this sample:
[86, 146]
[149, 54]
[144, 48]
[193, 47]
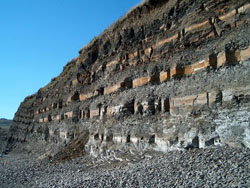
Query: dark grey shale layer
[210, 167]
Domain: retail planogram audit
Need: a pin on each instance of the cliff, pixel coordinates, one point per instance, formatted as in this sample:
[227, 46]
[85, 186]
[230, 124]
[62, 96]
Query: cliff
[168, 75]
[4, 128]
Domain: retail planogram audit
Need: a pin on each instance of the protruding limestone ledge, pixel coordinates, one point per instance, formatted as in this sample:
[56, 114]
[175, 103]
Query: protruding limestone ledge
[176, 106]
[214, 60]
[179, 132]
[125, 84]
[190, 29]
[183, 104]
[176, 133]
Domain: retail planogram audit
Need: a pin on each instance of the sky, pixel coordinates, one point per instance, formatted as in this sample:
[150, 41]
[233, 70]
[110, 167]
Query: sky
[39, 37]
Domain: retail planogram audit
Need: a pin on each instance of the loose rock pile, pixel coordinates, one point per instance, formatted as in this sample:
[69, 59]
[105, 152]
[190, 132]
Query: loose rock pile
[211, 167]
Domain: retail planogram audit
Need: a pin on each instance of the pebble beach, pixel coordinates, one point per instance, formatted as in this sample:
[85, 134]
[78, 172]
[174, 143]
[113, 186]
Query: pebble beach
[211, 167]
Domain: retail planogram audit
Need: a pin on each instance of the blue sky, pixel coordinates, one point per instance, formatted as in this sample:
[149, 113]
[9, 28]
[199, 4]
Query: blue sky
[38, 37]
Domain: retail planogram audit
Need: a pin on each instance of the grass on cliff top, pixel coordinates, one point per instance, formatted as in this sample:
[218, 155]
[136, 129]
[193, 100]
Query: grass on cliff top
[65, 75]
[121, 22]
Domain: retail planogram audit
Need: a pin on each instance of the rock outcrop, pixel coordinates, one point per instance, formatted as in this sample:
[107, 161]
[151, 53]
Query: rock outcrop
[169, 75]
[4, 128]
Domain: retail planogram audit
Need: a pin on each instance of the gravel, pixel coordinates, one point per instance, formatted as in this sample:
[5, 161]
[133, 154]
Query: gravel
[211, 167]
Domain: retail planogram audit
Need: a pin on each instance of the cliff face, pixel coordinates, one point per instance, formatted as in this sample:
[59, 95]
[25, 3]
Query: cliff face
[169, 75]
[4, 128]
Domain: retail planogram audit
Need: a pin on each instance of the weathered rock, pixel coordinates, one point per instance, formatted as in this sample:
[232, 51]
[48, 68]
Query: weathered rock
[169, 75]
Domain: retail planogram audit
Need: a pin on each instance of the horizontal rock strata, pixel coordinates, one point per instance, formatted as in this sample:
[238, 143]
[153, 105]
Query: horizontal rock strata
[169, 75]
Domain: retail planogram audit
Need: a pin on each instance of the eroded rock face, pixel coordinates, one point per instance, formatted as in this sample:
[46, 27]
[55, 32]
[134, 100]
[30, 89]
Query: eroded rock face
[170, 75]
